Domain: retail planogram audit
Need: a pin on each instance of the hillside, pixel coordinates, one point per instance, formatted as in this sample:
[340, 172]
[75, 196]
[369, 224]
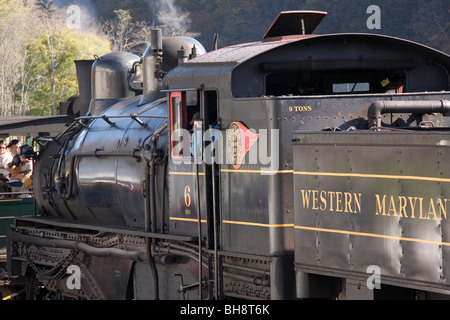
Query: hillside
[424, 21]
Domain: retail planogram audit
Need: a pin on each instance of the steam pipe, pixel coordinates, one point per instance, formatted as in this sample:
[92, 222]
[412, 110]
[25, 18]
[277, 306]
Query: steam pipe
[77, 245]
[149, 223]
[216, 40]
[427, 106]
[150, 202]
[259, 280]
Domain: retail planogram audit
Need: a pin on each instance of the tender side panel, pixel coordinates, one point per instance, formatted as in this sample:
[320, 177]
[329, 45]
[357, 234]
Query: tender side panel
[373, 199]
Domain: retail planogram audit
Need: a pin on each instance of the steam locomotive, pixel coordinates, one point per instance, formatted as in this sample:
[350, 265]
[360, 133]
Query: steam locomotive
[299, 166]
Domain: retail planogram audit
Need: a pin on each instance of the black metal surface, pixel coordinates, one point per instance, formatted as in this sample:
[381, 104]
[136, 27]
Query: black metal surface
[364, 199]
[33, 125]
[290, 23]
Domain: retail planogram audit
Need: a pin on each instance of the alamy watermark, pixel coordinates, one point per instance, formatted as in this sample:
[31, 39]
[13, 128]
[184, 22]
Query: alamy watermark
[374, 20]
[74, 280]
[73, 20]
[236, 146]
[374, 280]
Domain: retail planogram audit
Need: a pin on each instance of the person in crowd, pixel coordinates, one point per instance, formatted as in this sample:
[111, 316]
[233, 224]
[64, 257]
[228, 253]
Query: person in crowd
[5, 158]
[27, 155]
[21, 167]
[14, 147]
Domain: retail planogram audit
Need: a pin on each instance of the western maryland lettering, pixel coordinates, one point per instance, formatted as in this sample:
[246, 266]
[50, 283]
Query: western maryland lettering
[411, 207]
[332, 201]
[381, 205]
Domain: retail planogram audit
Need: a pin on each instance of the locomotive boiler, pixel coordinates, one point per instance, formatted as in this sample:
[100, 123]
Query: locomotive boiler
[239, 173]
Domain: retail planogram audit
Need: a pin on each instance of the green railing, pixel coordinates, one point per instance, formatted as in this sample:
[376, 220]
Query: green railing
[9, 209]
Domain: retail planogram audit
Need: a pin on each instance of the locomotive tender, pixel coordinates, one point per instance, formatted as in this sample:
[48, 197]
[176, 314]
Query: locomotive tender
[305, 175]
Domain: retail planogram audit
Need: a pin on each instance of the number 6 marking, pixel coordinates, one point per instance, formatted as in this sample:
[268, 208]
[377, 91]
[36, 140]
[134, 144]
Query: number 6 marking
[187, 196]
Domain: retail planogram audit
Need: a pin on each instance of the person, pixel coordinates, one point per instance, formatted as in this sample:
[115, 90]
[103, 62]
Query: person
[27, 155]
[196, 135]
[211, 135]
[21, 172]
[14, 147]
[5, 159]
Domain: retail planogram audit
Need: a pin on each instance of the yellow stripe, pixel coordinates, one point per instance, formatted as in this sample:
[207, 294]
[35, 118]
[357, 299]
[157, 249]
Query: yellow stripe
[11, 200]
[266, 225]
[13, 295]
[238, 223]
[324, 174]
[289, 225]
[257, 171]
[186, 173]
[372, 235]
[187, 219]
[180, 173]
[368, 175]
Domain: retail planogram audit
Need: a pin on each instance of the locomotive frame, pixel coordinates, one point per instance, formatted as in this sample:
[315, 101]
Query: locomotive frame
[162, 224]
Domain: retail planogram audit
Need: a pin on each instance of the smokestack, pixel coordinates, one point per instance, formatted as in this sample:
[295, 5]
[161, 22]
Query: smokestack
[83, 68]
[156, 42]
[151, 62]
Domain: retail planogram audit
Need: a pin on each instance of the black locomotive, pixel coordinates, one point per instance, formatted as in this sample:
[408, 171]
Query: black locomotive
[280, 169]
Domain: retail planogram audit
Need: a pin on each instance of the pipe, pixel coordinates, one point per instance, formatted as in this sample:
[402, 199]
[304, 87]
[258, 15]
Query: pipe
[259, 280]
[216, 40]
[149, 224]
[199, 221]
[151, 61]
[425, 106]
[150, 202]
[84, 71]
[67, 244]
[152, 193]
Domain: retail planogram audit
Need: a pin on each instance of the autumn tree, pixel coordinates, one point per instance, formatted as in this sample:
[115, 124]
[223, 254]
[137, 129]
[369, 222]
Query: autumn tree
[51, 75]
[126, 34]
[15, 31]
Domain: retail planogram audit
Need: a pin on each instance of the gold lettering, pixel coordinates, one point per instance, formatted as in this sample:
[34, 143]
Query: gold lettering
[187, 196]
[385, 205]
[299, 108]
[339, 201]
[413, 206]
[432, 210]
[402, 206]
[380, 205]
[392, 207]
[331, 195]
[357, 200]
[305, 196]
[323, 200]
[348, 202]
[443, 209]
[420, 207]
[315, 194]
